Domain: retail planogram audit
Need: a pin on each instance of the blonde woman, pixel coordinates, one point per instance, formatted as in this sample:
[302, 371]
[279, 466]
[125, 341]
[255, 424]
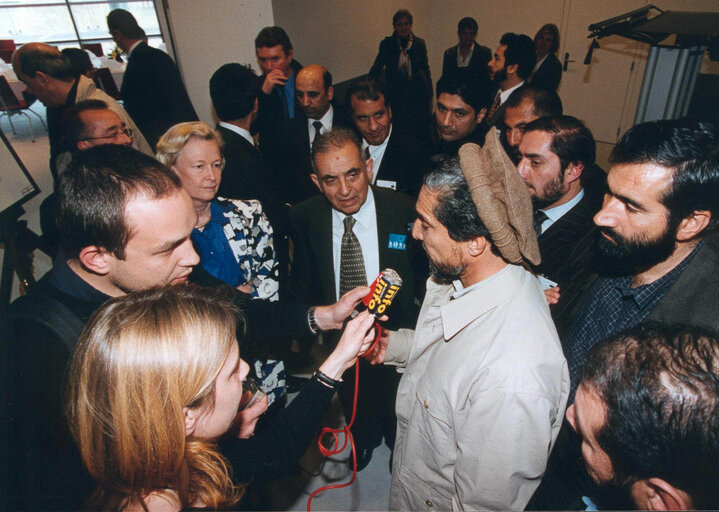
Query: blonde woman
[233, 237]
[155, 380]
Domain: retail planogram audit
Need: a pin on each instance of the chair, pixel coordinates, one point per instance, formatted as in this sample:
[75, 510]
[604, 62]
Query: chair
[103, 79]
[12, 106]
[7, 48]
[95, 48]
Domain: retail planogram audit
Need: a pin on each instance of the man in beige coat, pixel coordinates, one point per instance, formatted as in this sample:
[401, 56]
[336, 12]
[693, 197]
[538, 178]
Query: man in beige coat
[485, 382]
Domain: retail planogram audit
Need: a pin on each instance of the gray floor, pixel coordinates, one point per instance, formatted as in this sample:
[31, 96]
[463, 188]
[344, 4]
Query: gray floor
[370, 491]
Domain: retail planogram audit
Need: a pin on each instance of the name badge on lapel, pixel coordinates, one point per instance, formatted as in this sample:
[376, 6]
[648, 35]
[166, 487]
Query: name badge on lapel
[397, 242]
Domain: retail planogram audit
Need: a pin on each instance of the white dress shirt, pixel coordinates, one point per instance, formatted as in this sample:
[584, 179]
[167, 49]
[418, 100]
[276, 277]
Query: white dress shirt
[239, 131]
[377, 154]
[463, 62]
[365, 229]
[504, 95]
[326, 121]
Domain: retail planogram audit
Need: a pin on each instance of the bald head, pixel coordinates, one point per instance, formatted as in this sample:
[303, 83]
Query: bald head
[313, 87]
[45, 71]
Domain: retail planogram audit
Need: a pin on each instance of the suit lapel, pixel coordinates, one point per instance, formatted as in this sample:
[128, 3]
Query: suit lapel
[321, 236]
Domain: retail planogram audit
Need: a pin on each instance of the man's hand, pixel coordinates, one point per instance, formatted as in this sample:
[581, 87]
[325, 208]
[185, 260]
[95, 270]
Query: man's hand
[247, 418]
[552, 295]
[333, 316]
[274, 77]
[380, 350]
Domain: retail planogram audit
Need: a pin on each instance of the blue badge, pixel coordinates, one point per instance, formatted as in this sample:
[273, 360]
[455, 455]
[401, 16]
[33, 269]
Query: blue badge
[397, 241]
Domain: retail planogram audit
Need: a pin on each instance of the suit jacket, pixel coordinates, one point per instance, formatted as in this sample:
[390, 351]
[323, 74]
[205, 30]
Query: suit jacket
[313, 269]
[246, 176]
[692, 299]
[153, 93]
[498, 117]
[300, 185]
[566, 250]
[477, 64]
[274, 131]
[404, 162]
[548, 75]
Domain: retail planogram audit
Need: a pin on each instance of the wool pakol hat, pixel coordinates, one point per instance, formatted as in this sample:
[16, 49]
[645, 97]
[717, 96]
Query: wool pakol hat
[502, 200]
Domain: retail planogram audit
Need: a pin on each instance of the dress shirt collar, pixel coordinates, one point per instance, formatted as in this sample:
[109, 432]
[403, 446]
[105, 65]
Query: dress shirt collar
[464, 62]
[504, 95]
[239, 131]
[132, 48]
[474, 301]
[554, 214]
[538, 64]
[364, 217]
[326, 121]
[376, 153]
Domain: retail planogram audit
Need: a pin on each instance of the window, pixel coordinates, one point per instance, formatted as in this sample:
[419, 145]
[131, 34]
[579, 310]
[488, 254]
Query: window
[71, 23]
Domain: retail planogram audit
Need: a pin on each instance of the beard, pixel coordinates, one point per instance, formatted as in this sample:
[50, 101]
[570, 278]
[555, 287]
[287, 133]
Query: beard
[500, 76]
[445, 274]
[551, 193]
[627, 256]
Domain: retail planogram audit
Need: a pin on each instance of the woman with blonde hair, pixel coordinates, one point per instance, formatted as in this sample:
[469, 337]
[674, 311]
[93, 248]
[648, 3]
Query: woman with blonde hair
[233, 237]
[547, 72]
[156, 378]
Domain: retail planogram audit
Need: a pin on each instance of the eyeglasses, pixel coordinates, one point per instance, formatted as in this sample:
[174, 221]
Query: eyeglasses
[125, 131]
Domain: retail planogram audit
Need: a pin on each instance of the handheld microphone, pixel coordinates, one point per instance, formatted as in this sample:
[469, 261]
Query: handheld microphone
[382, 292]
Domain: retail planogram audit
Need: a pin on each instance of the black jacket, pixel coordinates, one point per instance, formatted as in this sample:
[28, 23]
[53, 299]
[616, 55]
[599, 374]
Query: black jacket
[153, 93]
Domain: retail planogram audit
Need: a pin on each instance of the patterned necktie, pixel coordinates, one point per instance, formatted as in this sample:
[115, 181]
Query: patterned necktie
[495, 106]
[539, 218]
[352, 272]
[318, 126]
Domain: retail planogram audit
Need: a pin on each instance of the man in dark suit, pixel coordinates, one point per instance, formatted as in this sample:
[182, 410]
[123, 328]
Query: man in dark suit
[523, 107]
[234, 89]
[556, 153]
[317, 114]
[277, 103]
[152, 90]
[468, 58]
[659, 254]
[353, 220]
[399, 160]
[461, 106]
[510, 66]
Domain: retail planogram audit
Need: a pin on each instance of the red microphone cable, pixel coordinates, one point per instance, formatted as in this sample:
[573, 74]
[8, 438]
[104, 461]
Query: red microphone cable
[380, 297]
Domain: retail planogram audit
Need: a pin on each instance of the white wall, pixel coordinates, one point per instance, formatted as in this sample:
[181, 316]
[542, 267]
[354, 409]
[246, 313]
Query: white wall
[344, 35]
[210, 33]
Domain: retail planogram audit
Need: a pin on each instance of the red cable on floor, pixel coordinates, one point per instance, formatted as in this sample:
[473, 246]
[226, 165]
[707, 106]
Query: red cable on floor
[346, 431]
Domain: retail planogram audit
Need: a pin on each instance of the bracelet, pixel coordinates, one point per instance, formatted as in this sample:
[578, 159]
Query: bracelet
[312, 321]
[325, 380]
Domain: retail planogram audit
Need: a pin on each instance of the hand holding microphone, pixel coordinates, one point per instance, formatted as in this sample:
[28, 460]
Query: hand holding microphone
[382, 294]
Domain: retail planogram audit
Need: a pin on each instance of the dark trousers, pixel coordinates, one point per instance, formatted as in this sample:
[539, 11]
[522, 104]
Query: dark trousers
[375, 417]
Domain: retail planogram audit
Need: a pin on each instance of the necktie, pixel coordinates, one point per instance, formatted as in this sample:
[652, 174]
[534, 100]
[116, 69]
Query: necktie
[318, 126]
[352, 271]
[494, 107]
[367, 154]
[539, 218]
[283, 100]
